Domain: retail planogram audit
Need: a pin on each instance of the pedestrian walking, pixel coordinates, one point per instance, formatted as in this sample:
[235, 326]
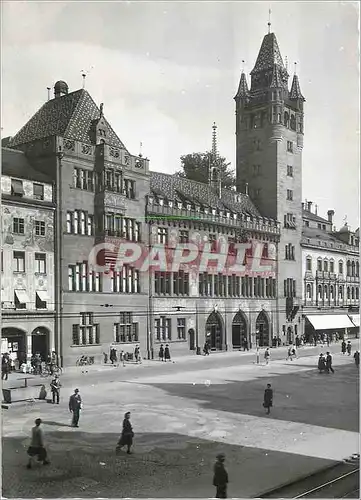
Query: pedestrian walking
[137, 354]
[356, 357]
[5, 366]
[348, 348]
[267, 355]
[161, 352]
[329, 363]
[257, 356]
[206, 349]
[105, 357]
[343, 347]
[55, 389]
[220, 476]
[321, 363]
[268, 399]
[167, 353]
[37, 447]
[290, 353]
[122, 358]
[75, 405]
[126, 438]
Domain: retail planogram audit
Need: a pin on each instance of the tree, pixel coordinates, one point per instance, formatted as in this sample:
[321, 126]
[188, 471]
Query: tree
[195, 166]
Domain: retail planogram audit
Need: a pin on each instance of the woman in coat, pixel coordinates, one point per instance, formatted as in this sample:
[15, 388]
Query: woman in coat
[161, 352]
[321, 363]
[167, 352]
[268, 399]
[126, 439]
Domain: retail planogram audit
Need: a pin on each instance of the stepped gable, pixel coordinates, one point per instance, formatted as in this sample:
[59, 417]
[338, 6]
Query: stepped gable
[173, 187]
[70, 116]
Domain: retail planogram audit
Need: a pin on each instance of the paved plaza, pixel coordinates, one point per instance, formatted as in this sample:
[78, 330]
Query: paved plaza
[183, 414]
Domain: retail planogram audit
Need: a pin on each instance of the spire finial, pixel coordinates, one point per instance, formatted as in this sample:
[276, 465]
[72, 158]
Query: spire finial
[214, 141]
[140, 149]
[48, 89]
[84, 76]
[295, 64]
[269, 20]
[242, 65]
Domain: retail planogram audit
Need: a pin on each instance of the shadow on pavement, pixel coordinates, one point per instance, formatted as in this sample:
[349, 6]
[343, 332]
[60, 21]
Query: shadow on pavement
[309, 397]
[56, 424]
[84, 465]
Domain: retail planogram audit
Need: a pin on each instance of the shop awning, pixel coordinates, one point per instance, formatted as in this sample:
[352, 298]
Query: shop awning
[330, 321]
[43, 295]
[22, 296]
[355, 318]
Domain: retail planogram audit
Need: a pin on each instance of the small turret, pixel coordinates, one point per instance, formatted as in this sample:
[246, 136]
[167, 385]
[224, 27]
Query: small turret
[243, 92]
[215, 180]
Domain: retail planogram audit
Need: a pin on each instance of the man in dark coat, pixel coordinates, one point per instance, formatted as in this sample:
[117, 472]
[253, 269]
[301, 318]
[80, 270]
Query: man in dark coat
[220, 477]
[5, 366]
[37, 447]
[348, 348]
[75, 407]
[356, 357]
[161, 352]
[329, 363]
[343, 347]
[126, 439]
[268, 399]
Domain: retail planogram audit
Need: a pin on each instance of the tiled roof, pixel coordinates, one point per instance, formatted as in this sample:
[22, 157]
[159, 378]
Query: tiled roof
[315, 233]
[174, 187]
[243, 87]
[70, 116]
[295, 92]
[15, 164]
[306, 214]
[276, 78]
[269, 54]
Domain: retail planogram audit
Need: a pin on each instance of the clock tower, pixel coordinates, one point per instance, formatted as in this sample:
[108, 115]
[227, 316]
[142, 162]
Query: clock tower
[269, 142]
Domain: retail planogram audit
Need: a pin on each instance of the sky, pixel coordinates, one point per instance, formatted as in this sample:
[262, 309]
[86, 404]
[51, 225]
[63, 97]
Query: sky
[166, 71]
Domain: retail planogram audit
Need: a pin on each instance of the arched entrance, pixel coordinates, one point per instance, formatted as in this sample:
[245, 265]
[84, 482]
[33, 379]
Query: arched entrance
[262, 330]
[13, 340]
[40, 342]
[239, 330]
[192, 339]
[214, 334]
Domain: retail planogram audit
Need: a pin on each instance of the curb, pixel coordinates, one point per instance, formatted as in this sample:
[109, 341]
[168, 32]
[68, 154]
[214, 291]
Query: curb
[349, 460]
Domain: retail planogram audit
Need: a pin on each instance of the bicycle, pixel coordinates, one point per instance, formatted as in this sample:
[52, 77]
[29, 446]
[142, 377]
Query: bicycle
[85, 360]
[48, 371]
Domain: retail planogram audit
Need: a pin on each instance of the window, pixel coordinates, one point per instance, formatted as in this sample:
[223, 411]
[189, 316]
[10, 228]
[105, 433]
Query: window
[290, 170]
[289, 287]
[332, 293]
[348, 293]
[326, 291]
[307, 224]
[40, 263]
[162, 235]
[320, 296]
[83, 179]
[352, 293]
[126, 330]
[357, 269]
[357, 293]
[325, 266]
[87, 332]
[290, 146]
[340, 267]
[69, 224]
[38, 191]
[180, 283]
[81, 279]
[18, 226]
[289, 252]
[286, 119]
[162, 283]
[293, 122]
[206, 284]
[17, 188]
[126, 280]
[332, 266]
[2, 261]
[181, 328]
[39, 228]
[290, 221]
[163, 327]
[324, 227]
[308, 264]
[183, 236]
[289, 194]
[129, 188]
[353, 269]
[340, 292]
[308, 291]
[19, 262]
[319, 264]
[20, 299]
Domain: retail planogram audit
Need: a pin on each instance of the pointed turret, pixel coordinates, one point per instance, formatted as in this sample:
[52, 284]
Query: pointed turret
[243, 92]
[295, 92]
[269, 54]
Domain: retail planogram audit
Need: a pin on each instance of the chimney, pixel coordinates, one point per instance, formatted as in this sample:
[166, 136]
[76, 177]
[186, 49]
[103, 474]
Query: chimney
[330, 215]
[316, 207]
[246, 189]
[309, 205]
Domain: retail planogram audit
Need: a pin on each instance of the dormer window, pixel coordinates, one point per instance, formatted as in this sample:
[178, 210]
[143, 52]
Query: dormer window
[213, 211]
[234, 216]
[161, 202]
[228, 215]
[189, 207]
[170, 203]
[150, 200]
[17, 187]
[206, 211]
[179, 205]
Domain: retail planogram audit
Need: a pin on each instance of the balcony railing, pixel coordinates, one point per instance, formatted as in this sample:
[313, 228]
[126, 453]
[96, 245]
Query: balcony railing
[212, 218]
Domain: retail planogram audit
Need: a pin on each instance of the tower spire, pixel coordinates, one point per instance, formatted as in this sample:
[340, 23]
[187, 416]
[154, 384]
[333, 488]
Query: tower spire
[269, 20]
[214, 141]
[295, 65]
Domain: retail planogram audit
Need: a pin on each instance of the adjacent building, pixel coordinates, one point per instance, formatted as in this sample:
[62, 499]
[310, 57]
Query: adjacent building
[27, 257]
[331, 274]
